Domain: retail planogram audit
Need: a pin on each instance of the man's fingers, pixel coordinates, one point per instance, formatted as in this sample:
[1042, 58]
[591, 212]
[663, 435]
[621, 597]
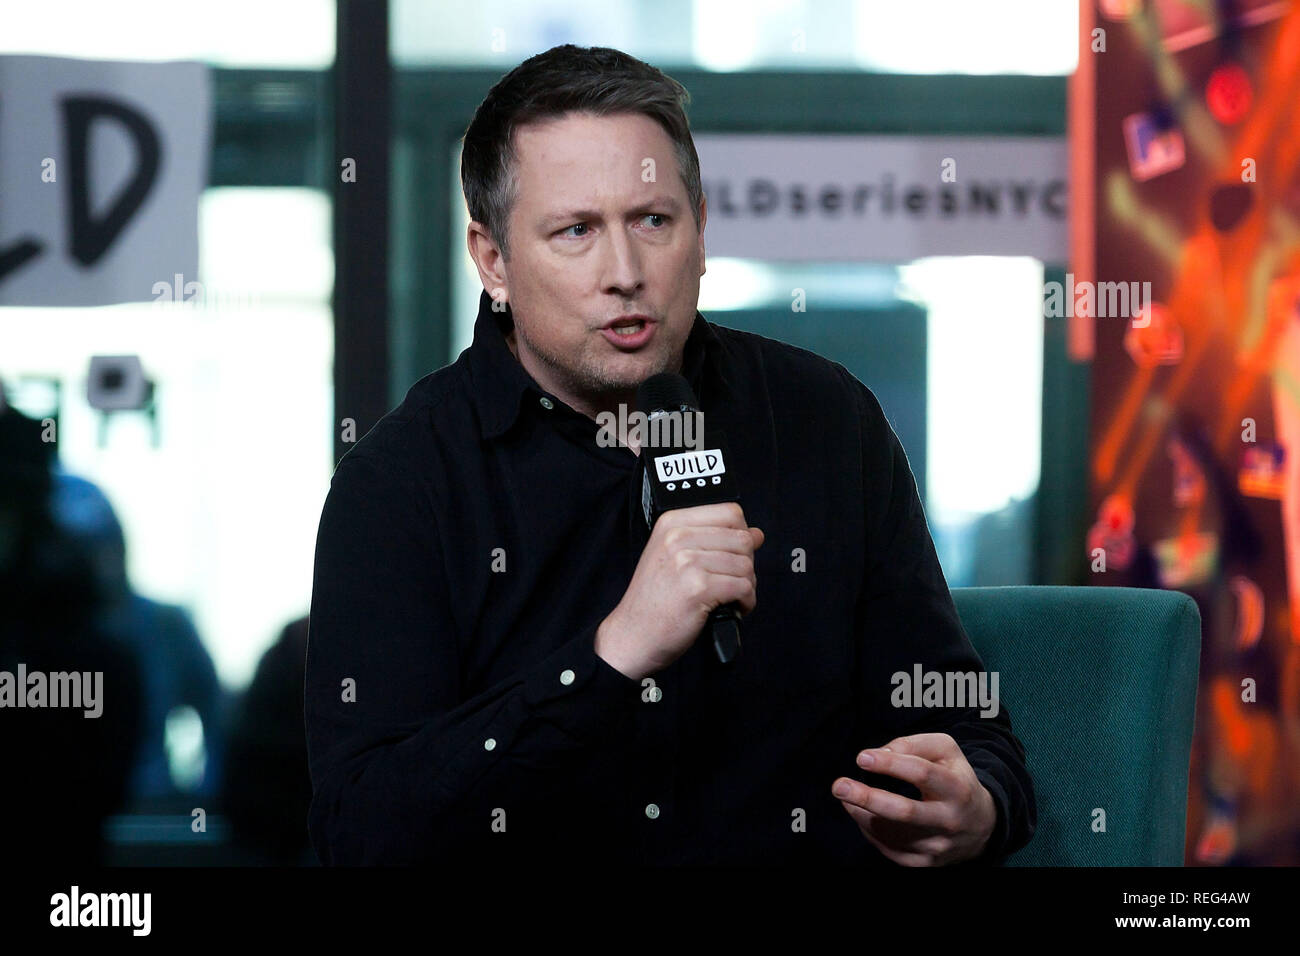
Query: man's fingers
[926, 775]
[892, 806]
[930, 746]
[710, 538]
[725, 514]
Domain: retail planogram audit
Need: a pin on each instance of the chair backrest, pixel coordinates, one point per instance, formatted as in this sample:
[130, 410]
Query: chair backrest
[1100, 683]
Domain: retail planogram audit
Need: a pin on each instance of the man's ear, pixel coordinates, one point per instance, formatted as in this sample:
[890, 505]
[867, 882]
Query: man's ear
[488, 261]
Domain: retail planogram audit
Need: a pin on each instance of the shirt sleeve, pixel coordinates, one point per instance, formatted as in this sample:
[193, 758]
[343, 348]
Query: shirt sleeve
[909, 619]
[395, 753]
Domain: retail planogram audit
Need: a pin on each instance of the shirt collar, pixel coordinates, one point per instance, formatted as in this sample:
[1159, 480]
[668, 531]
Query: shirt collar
[501, 384]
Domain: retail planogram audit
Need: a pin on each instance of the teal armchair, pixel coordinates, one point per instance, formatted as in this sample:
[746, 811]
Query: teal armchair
[1101, 686]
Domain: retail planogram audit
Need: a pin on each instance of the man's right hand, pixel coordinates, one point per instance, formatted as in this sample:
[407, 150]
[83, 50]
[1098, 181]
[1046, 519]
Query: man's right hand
[696, 560]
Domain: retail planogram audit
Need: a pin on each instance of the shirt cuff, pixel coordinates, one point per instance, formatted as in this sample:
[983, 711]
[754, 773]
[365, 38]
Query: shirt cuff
[580, 692]
[993, 853]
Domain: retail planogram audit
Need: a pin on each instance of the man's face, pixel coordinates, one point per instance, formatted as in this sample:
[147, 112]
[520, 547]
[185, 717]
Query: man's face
[591, 240]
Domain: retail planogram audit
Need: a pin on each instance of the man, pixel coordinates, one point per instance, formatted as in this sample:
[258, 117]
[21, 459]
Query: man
[503, 662]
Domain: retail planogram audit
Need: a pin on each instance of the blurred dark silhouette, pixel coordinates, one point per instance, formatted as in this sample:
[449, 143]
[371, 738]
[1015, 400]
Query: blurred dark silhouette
[176, 667]
[268, 786]
[65, 772]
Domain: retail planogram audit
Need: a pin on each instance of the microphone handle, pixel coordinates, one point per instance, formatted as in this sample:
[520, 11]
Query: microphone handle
[724, 627]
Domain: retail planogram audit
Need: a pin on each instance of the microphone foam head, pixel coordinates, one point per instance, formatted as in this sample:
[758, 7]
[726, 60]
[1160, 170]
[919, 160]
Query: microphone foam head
[666, 391]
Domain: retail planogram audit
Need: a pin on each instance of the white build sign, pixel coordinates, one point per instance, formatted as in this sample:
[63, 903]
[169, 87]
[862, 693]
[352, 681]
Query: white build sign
[101, 168]
[812, 198]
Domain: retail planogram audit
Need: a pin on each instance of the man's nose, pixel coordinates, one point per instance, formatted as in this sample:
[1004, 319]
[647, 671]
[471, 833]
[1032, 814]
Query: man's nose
[621, 262]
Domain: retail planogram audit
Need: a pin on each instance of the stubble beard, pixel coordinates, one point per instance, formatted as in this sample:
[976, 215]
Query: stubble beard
[587, 380]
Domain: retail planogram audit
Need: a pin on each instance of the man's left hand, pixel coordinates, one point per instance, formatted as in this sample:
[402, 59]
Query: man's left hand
[953, 821]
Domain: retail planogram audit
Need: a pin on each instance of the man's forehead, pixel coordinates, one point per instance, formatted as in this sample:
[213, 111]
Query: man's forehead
[549, 193]
[539, 146]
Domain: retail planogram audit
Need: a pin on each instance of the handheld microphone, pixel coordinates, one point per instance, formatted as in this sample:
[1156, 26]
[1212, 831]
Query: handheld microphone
[683, 466]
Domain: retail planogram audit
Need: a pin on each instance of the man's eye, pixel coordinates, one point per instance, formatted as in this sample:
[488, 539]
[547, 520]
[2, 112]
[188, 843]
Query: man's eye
[582, 225]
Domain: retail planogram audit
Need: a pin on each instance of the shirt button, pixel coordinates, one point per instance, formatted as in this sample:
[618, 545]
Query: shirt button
[656, 694]
[490, 743]
[547, 403]
[566, 677]
[652, 810]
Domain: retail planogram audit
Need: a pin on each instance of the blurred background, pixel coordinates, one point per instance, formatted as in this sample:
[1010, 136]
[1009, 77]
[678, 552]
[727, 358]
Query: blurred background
[232, 237]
